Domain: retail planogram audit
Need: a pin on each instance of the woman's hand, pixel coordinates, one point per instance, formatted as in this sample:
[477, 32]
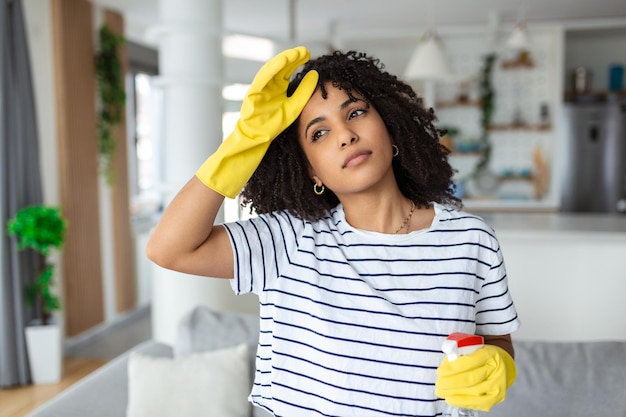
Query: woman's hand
[266, 111]
[477, 381]
[185, 239]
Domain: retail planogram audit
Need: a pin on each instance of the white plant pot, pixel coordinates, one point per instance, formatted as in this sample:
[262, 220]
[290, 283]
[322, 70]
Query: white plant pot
[45, 355]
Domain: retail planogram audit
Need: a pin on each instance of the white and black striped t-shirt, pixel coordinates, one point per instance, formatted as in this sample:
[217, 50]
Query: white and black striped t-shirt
[352, 322]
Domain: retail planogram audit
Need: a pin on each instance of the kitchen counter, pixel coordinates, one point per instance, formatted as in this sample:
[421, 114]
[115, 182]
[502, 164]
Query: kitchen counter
[566, 273]
[600, 224]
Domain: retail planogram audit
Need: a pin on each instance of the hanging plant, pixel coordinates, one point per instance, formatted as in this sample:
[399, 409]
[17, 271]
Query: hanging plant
[487, 96]
[111, 96]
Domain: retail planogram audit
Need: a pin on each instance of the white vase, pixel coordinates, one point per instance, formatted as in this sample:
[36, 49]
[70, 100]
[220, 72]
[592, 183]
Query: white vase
[45, 355]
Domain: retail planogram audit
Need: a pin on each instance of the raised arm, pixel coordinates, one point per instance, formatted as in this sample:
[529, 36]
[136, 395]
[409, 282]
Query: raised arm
[185, 239]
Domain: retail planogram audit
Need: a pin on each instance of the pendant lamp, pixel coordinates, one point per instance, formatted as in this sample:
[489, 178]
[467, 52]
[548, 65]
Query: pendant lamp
[518, 40]
[519, 44]
[428, 61]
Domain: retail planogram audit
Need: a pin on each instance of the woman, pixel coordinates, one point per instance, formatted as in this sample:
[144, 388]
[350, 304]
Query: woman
[361, 258]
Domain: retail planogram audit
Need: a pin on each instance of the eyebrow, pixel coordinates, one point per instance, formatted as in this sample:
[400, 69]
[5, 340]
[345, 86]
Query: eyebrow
[341, 107]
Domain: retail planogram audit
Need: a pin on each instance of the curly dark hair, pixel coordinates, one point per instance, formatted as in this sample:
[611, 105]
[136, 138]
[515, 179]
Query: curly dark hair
[282, 182]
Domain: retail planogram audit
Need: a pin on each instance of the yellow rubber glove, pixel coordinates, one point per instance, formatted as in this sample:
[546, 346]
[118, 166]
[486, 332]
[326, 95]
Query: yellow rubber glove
[266, 111]
[477, 381]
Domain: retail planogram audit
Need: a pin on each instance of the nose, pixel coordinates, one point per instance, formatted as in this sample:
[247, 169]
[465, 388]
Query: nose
[347, 137]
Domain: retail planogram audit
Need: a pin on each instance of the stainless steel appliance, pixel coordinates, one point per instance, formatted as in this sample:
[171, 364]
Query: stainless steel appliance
[594, 157]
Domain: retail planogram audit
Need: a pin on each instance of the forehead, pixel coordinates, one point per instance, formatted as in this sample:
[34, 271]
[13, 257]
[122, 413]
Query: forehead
[329, 97]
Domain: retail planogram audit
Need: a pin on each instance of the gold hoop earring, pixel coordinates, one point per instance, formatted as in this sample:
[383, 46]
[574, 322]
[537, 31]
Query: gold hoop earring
[320, 190]
[396, 151]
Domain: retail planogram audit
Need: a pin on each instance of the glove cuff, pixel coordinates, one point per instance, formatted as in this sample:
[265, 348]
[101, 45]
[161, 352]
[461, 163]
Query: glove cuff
[228, 170]
[206, 174]
[509, 364]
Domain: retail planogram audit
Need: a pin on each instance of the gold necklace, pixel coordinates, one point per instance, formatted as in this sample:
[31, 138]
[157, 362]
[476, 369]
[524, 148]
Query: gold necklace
[407, 221]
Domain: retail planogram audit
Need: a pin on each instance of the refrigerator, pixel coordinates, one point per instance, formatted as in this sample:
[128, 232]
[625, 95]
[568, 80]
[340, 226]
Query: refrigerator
[593, 177]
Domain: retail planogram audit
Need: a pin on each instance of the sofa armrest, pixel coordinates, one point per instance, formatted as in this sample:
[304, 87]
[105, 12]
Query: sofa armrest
[104, 392]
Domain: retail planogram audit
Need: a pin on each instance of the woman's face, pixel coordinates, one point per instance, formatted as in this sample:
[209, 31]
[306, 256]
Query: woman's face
[346, 143]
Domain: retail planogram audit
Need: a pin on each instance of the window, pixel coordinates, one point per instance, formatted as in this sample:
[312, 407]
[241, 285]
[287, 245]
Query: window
[144, 104]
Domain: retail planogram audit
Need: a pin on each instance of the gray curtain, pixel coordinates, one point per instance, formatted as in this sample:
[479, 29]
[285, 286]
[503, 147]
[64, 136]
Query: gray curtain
[20, 186]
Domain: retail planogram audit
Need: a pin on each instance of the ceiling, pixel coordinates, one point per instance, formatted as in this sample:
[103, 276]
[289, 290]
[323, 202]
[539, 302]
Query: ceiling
[325, 20]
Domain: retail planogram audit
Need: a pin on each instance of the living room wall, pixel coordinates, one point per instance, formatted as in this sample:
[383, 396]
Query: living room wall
[95, 278]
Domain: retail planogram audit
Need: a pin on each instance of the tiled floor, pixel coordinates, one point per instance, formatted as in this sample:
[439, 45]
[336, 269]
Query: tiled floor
[116, 339]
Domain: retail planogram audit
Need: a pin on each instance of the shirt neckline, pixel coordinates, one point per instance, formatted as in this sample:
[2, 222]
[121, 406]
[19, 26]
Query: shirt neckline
[344, 226]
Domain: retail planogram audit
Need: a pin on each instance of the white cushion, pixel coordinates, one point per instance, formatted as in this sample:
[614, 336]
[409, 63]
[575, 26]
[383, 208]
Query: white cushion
[213, 383]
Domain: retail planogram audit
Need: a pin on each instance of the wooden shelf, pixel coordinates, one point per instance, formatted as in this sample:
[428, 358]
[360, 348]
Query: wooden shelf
[466, 154]
[515, 178]
[457, 103]
[507, 65]
[539, 128]
[522, 60]
[593, 96]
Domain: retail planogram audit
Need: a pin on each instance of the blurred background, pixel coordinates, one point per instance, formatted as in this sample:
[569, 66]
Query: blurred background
[530, 92]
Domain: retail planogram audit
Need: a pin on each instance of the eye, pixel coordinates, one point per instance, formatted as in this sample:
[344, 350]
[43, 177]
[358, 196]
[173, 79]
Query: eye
[356, 112]
[318, 134]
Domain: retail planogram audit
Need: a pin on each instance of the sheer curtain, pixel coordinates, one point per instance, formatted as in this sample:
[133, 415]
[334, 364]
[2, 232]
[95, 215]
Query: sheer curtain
[20, 186]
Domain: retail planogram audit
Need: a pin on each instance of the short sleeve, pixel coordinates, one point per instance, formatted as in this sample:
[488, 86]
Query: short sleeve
[260, 246]
[495, 310]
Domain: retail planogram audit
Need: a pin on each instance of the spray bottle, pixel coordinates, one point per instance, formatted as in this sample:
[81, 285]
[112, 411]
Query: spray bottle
[455, 345]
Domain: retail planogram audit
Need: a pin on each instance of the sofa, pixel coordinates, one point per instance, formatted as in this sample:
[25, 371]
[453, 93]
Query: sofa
[564, 379]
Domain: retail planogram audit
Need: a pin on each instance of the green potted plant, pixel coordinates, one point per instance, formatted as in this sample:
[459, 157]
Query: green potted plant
[41, 228]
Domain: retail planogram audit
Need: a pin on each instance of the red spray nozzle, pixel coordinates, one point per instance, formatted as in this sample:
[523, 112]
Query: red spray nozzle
[459, 344]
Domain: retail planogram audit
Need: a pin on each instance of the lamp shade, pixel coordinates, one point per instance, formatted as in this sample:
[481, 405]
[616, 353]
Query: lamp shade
[428, 61]
[519, 37]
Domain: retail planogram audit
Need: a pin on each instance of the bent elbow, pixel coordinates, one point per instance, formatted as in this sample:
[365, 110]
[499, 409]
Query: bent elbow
[158, 255]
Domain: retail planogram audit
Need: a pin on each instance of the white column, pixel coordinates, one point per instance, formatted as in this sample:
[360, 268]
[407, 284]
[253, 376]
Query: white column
[190, 65]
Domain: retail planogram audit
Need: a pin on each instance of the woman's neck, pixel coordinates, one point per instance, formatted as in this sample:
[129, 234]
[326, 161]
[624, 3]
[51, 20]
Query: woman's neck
[385, 212]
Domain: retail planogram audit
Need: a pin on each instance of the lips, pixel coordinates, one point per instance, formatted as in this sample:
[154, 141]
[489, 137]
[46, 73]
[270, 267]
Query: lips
[356, 158]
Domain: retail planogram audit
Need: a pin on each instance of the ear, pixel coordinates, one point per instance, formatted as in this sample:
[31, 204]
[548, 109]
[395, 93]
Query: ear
[313, 176]
[316, 180]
